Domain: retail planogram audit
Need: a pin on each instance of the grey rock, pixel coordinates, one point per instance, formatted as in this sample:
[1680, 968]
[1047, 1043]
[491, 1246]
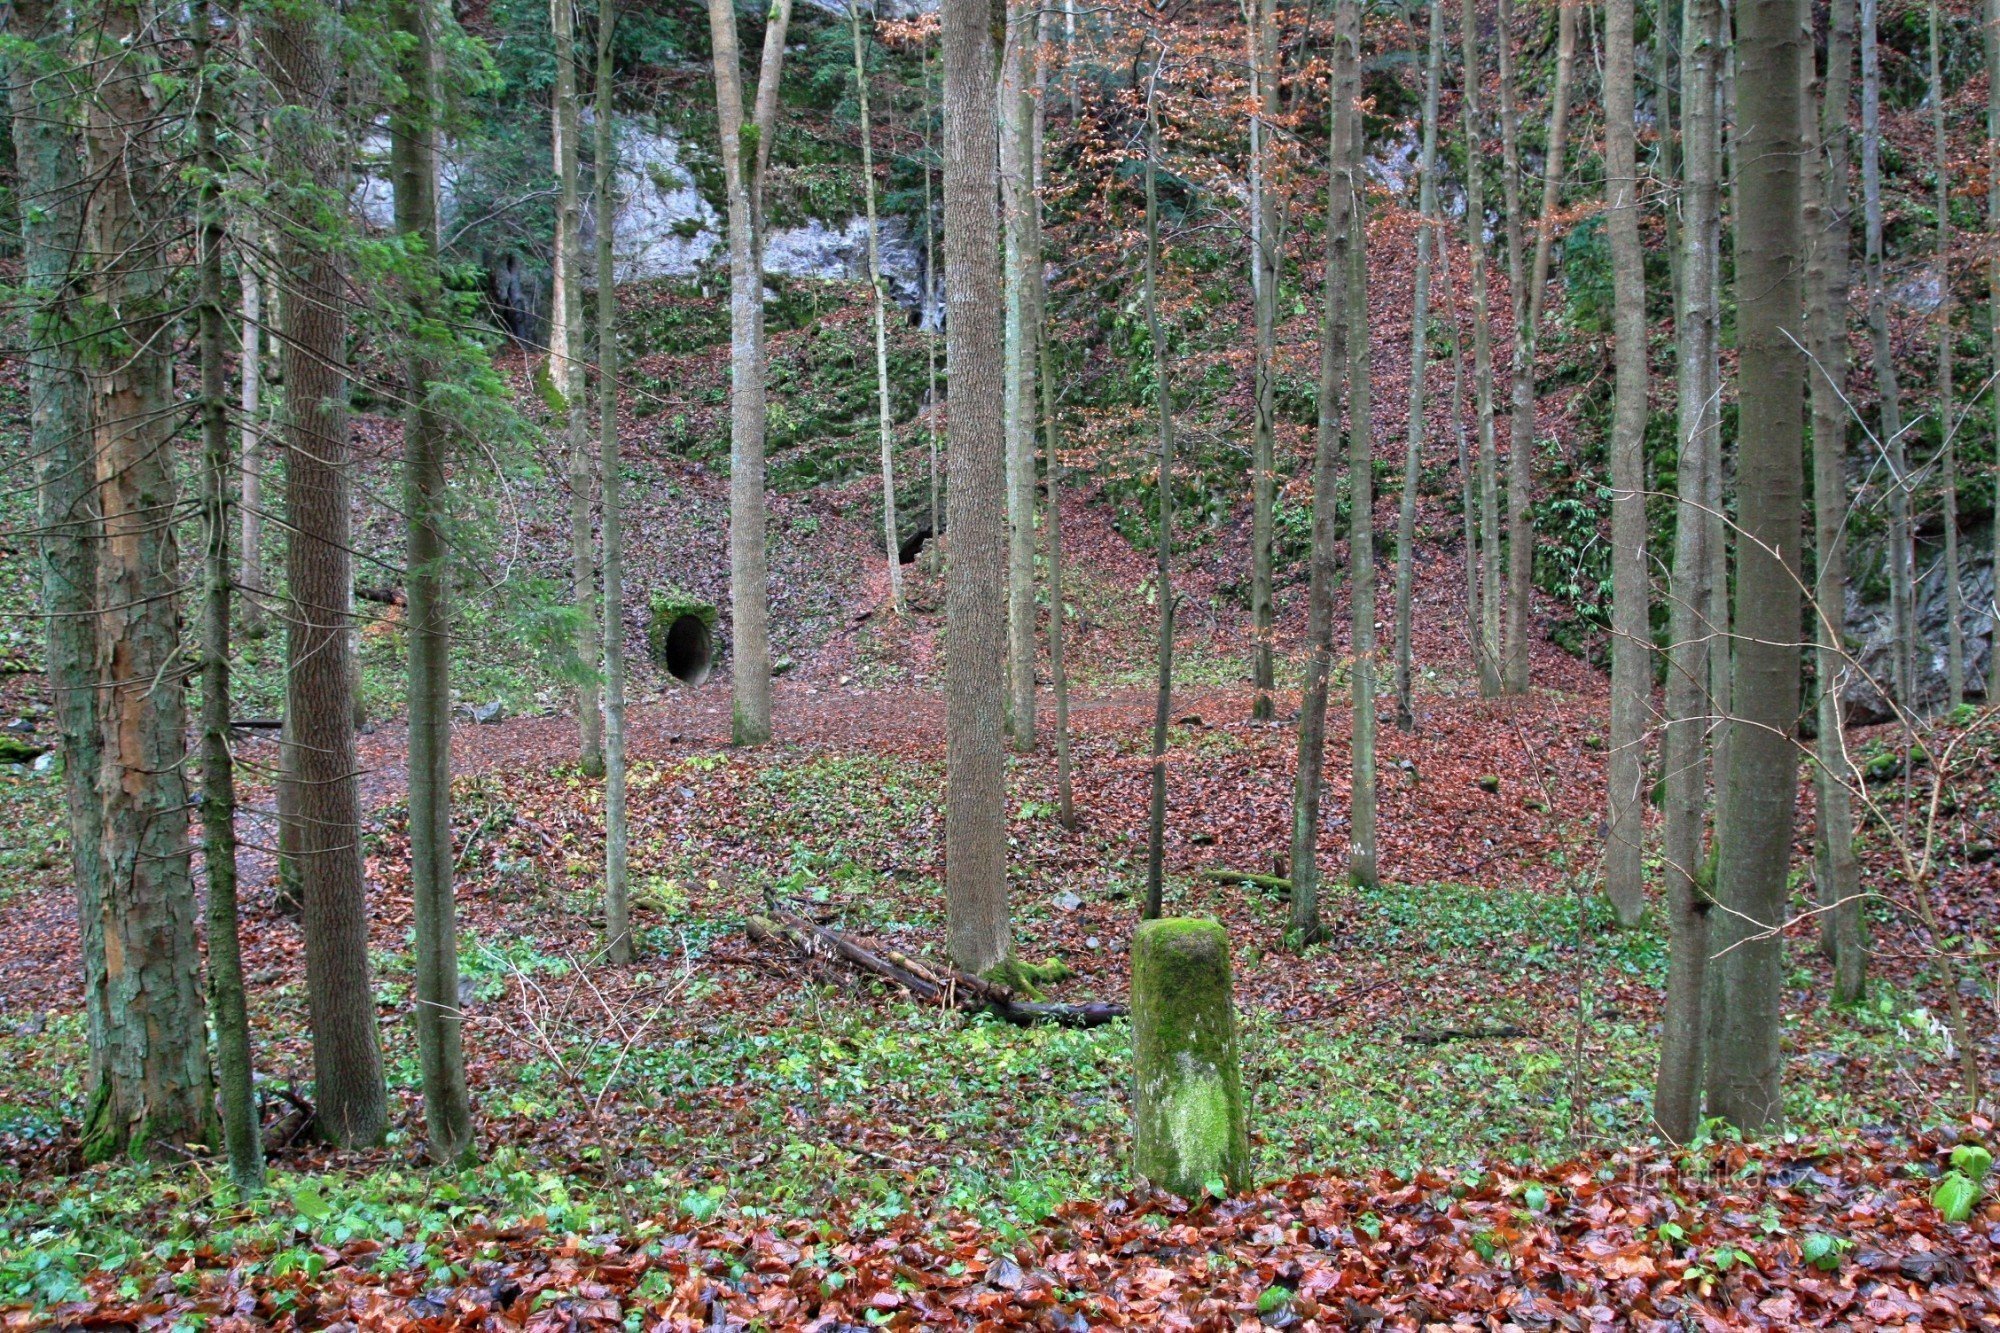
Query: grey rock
[1066, 902]
[21, 726]
[488, 713]
[1870, 628]
[44, 762]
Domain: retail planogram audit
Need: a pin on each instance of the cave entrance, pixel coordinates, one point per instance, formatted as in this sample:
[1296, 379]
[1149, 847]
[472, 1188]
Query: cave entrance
[689, 649]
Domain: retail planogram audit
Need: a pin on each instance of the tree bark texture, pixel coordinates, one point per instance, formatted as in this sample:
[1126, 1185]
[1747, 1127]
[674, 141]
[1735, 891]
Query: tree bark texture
[155, 1096]
[975, 609]
[319, 683]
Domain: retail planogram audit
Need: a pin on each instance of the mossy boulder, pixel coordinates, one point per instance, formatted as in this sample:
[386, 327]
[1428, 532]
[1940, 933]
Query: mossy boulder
[680, 635]
[1190, 1131]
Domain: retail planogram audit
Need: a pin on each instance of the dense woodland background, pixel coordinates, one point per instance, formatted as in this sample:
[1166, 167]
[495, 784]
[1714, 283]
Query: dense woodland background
[610, 615]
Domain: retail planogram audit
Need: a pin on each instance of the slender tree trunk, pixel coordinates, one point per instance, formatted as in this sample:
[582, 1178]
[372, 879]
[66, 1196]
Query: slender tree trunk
[1993, 319]
[1361, 866]
[155, 1096]
[1486, 644]
[1744, 1065]
[1163, 572]
[1406, 514]
[1687, 874]
[885, 422]
[437, 1017]
[1468, 485]
[250, 573]
[228, 1005]
[1528, 285]
[1058, 670]
[749, 562]
[1631, 623]
[1901, 550]
[1310, 775]
[1266, 248]
[1838, 872]
[46, 155]
[319, 683]
[1666, 164]
[566, 377]
[617, 828]
[930, 321]
[1016, 202]
[975, 622]
[1954, 597]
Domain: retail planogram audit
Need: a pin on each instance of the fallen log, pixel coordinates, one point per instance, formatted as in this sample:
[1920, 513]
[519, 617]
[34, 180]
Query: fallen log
[1276, 884]
[952, 988]
[1439, 1036]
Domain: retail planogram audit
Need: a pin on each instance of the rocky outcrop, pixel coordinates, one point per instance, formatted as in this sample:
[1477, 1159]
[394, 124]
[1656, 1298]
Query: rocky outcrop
[1871, 630]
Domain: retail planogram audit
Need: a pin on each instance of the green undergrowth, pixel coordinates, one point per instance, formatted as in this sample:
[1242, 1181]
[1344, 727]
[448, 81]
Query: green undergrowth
[1437, 1029]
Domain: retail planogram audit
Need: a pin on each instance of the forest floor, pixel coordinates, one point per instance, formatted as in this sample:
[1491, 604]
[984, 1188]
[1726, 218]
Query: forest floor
[1450, 1099]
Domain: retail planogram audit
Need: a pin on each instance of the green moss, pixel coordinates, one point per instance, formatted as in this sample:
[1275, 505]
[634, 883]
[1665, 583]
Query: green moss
[1026, 979]
[1188, 1086]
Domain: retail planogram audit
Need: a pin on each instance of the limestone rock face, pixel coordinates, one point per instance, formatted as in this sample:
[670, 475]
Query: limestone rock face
[1871, 626]
[1190, 1131]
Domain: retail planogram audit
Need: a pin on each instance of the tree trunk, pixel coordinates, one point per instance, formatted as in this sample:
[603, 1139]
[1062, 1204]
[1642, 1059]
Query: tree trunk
[885, 422]
[975, 621]
[1686, 872]
[1529, 286]
[1266, 249]
[1838, 872]
[1058, 669]
[617, 828]
[1406, 514]
[46, 156]
[437, 1018]
[319, 680]
[566, 378]
[1954, 599]
[1631, 624]
[1309, 777]
[1901, 551]
[1016, 202]
[1163, 571]
[749, 562]
[1993, 315]
[1762, 783]
[228, 1006]
[155, 1096]
[930, 321]
[1361, 870]
[1468, 484]
[250, 572]
[1486, 643]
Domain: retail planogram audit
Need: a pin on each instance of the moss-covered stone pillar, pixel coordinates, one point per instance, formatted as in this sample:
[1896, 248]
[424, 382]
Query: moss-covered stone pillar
[1188, 1086]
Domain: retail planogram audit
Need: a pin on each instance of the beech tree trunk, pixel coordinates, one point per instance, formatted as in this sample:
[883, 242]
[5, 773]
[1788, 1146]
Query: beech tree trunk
[617, 827]
[1361, 870]
[1486, 643]
[1686, 872]
[1993, 313]
[975, 617]
[1309, 777]
[566, 378]
[319, 682]
[1631, 624]
[437, 1018]
[1406, 515]
[1954, 597]
[1058, 669]
[1900, 549]
[1837, 869]
[749, 563]
[1017, 207]
[1163, 572]
[885, 423]
[155, 1097]
[228, 1004]
[47, 151]
[250, 565]
[1266, 250]
[1744, 1064]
